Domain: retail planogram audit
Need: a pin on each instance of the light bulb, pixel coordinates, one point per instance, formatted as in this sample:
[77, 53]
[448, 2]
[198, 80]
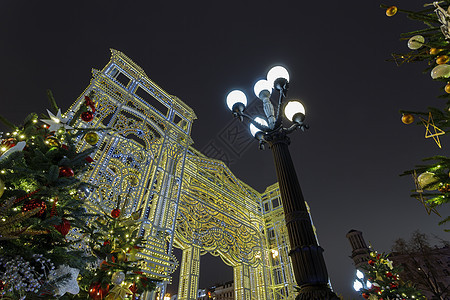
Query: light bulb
[234, 97]
[277, 72]
[253, 128]
[262, 85]
[359, 274]
[357, 285]
[293, 108]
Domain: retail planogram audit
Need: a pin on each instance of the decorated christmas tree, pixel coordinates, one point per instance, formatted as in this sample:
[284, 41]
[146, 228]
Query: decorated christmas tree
[114, 242]
[384, 282]
[39, 169]
[51, 247]
[431, 46]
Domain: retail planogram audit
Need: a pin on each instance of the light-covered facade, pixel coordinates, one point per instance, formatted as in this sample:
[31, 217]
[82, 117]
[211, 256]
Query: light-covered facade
[146, 162]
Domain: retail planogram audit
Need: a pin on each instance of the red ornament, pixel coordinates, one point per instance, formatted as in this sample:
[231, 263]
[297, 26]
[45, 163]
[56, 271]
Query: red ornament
[34, 203]
[9, 143]
[104, 265]
[65, 172]
[97, 292]
[133, 288]
[389, 274]
[89, 159]
[393, 285]
[90, 103]
[87, 116]
[64, 227]
[365, 296]
[371, 262]
[115, 213]
[107, 242]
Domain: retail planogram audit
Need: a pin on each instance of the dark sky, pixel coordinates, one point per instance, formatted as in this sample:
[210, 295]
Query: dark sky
[348, 162]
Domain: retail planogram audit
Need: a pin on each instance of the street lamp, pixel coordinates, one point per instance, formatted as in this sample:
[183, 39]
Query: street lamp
[306, 255]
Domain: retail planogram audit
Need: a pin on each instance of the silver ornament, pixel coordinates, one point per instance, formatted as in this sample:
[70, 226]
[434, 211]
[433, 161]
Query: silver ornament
[441, 71]
[118, 277]
[416, 42]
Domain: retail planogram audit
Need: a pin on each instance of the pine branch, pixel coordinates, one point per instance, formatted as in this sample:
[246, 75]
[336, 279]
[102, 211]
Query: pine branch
[7, 123]
[52, 101]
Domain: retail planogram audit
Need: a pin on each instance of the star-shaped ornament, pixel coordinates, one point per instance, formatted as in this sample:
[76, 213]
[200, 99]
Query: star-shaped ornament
[56, 122]
[69, 285]
[437, 131]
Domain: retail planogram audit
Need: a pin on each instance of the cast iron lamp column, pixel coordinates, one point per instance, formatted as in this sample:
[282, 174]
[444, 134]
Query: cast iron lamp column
[306, 255]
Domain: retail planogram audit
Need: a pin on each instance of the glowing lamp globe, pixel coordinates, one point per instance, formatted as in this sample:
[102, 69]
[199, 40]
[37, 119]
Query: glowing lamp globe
[262, 85]
[357, 285]
[234, 97]
[253, 128]
[277, 72]
[293, 109]
[359, 274]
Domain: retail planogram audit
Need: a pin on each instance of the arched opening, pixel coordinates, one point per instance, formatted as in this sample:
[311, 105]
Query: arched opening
[213, 272]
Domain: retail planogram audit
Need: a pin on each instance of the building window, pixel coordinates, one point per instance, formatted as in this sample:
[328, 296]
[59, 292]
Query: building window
[123, 79]
[275, 202]
[266, 206]
[144, 95]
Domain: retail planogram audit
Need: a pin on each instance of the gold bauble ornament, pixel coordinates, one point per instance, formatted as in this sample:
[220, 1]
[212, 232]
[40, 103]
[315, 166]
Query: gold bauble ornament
[407, 118]
[136, 215]
[121, 256]
[428, 181]
[2, 187]
[434, 51]
[447, 88]
[444, 188]
[91, 138]
[52, 141]
[391, 11]
[443, 59]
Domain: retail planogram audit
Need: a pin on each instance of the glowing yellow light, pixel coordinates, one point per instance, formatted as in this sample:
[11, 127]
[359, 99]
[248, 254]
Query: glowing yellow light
[274, 253]
[3, 149]
[34, 121]
[22, 136]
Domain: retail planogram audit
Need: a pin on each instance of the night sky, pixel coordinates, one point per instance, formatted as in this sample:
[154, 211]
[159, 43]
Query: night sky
[350, 159]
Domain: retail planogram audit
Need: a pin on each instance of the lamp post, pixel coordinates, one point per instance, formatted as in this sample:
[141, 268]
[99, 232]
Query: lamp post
[306, 255]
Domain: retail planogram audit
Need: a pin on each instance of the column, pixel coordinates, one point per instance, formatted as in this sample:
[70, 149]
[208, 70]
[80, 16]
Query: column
[189, 274]
[242, 285]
